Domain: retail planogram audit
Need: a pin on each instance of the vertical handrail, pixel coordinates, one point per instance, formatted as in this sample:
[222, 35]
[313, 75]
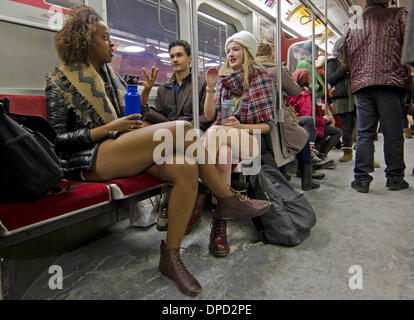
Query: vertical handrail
[313, 67]
[194, 61]
[278, 56]
[326, 57]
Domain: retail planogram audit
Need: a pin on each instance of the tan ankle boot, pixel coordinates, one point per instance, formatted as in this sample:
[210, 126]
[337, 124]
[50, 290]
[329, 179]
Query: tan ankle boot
[348, 156]
[239, 205]
[407, 133]
[172, 266]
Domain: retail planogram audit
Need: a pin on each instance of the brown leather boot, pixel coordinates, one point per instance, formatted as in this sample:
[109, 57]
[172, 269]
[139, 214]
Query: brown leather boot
[239, 205]
[195, 218]
[219, 246]
[407, 133]
[172, 266]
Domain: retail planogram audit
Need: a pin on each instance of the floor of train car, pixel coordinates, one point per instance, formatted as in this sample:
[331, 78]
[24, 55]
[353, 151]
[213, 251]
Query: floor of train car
[374, 231]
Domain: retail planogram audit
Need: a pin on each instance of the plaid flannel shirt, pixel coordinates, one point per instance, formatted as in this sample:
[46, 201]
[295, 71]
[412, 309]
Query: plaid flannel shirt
[256, 105]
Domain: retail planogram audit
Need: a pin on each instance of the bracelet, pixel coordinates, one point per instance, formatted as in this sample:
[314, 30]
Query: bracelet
[210, 90]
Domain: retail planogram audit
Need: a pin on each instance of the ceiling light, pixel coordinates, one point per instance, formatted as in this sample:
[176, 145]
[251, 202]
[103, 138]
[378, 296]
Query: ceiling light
[134, 49]
[163, 55]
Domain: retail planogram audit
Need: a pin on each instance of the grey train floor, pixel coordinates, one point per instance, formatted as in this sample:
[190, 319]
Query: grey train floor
[373, 231]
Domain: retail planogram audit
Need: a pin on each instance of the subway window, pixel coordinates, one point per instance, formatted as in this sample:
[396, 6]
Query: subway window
[141, 31]
[212, 35]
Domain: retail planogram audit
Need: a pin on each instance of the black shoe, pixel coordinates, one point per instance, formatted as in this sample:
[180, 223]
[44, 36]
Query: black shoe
[318, 175]
[307, 183]
[361, 185]
[326, 164]
[399, 185]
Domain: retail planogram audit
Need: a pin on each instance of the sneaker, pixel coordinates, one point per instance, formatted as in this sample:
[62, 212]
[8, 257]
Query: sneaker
[162, 221]
[397, 185]
[325, 164]
[361, 185]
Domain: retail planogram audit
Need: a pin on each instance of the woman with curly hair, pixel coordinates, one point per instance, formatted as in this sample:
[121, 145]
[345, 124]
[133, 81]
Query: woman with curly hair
[85, 100]
[248, 84]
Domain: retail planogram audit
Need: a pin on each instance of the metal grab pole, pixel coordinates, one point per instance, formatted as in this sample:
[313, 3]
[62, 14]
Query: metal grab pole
[326, 57]
[313, 74]
[194, 62]
[278, 57]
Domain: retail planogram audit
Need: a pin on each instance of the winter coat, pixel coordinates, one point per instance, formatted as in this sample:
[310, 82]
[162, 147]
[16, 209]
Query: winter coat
[182, 109]
[303, 107]
[374, 53]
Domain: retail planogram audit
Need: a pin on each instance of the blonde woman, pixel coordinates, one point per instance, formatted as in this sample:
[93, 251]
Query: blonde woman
[248, 84]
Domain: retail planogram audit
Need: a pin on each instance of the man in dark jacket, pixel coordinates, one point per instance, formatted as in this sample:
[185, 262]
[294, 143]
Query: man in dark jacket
[174, 98]
[379, 82]
[174, 101]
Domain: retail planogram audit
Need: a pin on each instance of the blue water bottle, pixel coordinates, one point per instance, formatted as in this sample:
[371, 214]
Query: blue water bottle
[132, 98]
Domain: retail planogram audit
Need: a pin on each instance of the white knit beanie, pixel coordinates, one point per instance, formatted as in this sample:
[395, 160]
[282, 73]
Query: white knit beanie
[246, 39]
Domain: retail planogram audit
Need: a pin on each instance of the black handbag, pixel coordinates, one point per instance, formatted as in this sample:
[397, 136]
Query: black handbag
[29, 166]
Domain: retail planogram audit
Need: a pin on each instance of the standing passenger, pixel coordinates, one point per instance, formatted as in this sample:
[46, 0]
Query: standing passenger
[85, 102]
[379, 82]
[343, 100]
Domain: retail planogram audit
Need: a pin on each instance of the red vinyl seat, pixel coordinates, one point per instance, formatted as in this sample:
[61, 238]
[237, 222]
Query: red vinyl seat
[30, 105]
[16, 217]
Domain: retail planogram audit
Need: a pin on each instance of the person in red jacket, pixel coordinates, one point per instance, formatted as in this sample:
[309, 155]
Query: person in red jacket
[327, 136]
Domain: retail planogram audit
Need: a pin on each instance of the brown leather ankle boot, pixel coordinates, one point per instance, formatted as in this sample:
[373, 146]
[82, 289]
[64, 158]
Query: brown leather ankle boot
[239, 205]
[172, 266]
[219, 246]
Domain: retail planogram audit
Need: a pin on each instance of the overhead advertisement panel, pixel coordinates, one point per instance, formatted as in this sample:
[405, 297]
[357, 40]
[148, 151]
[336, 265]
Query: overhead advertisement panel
[47, 14]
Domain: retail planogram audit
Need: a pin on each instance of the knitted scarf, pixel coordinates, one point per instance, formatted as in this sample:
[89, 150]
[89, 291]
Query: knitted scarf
[256, 103]
[97, 98]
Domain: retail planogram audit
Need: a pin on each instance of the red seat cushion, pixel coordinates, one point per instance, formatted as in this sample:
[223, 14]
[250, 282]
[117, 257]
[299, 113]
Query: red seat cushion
[127, 187]
[15, 216]
[30, 105]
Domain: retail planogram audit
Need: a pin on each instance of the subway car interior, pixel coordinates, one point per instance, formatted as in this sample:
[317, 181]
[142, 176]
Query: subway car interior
[101, 242]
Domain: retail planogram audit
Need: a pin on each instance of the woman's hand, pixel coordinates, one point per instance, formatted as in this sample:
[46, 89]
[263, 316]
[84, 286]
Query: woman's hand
[125, 124]
[232, 122]
[148, 83]
[212, 77]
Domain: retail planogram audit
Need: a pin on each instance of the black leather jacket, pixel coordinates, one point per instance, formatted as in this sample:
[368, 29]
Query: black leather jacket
[73, 143]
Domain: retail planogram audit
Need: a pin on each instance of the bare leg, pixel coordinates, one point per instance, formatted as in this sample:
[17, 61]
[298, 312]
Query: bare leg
[224, 163]
[184, 178]
[132, 153]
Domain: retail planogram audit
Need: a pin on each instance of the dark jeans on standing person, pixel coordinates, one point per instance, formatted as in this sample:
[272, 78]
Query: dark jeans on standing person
[348, 121]
[386, 104]
[330, 138]
[309, 125]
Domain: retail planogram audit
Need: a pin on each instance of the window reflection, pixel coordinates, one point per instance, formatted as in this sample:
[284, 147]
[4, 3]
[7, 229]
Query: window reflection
[141, 31]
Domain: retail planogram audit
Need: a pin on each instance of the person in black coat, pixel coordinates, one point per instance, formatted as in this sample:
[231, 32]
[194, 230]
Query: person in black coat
[343, 100]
